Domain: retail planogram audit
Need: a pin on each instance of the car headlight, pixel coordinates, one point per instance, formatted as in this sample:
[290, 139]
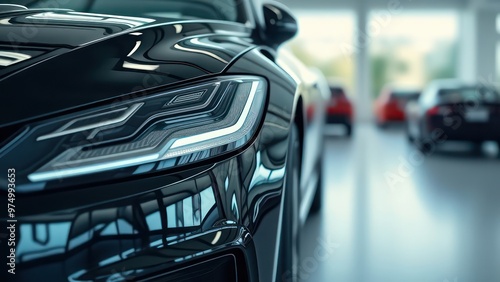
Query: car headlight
[172, 128]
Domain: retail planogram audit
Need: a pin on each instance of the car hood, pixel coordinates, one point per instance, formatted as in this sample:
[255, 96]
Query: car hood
[54, 61]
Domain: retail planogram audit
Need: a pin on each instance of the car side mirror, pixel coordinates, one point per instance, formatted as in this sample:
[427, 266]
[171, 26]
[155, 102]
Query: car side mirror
[280, 25]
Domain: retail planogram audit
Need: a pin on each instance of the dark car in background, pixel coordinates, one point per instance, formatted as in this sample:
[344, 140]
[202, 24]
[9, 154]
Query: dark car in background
[453, 110]
[390, 105]
[339, 109]
[155, 141]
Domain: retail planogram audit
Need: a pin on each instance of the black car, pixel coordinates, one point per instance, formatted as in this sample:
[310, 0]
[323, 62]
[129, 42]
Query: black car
[453, 110]
[154, 141]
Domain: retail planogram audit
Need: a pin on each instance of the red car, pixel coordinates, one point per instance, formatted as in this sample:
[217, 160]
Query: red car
[390, 105]
[339, 109]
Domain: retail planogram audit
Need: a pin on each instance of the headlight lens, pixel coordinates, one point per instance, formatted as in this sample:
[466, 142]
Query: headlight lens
[163, 130]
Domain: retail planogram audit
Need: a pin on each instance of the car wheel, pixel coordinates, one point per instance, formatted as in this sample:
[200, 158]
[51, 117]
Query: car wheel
[289, 244]
[348, 130]
[424, 147]
[381, 124]
[410, 138]
[419, 144]
[318, 195]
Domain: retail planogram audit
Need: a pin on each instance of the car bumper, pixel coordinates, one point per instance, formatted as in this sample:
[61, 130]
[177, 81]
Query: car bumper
[396, 116]
[216, 221]
[460, 130]
[338, 119]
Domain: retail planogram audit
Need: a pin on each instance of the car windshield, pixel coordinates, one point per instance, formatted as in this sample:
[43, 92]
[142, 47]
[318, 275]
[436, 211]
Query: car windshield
[227, 10]
[470, 94]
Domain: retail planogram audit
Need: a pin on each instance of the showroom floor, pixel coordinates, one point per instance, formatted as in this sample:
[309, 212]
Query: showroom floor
[390, 216]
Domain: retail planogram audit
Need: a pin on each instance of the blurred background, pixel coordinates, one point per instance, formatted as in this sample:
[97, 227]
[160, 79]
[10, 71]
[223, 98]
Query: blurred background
[394, 210]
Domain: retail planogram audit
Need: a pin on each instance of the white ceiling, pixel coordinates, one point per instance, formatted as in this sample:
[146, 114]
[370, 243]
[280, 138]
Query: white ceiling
[381, 4]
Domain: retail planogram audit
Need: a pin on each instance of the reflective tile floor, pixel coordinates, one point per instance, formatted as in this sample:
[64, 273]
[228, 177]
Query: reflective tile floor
[390, 214]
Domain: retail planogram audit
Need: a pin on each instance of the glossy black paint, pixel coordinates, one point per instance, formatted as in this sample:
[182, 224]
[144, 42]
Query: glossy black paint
[214, 216]
[91, 68]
